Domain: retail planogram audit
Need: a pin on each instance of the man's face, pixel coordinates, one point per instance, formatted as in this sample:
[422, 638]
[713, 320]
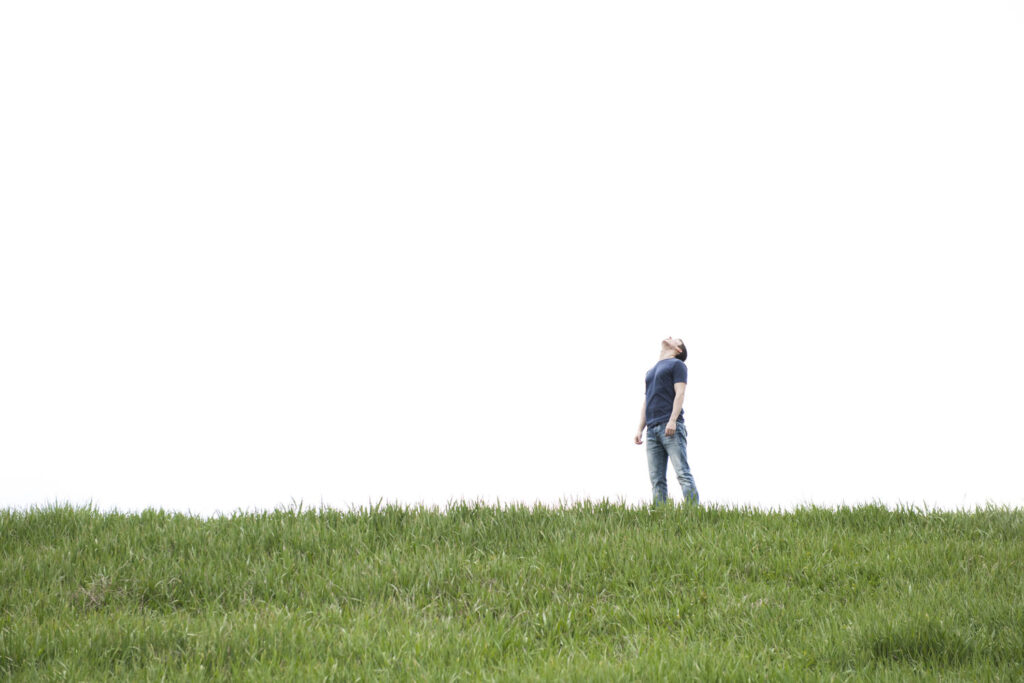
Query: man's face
[672, 343]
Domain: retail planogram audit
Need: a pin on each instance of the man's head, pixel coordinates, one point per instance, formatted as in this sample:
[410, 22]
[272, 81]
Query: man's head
[674, 345]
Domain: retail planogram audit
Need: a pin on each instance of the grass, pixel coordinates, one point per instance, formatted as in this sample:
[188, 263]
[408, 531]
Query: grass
[591, 591]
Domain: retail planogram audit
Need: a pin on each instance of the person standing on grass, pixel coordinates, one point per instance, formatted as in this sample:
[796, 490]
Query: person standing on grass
[663, 416]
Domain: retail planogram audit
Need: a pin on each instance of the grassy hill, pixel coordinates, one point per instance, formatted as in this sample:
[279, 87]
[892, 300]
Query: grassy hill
[592, 591]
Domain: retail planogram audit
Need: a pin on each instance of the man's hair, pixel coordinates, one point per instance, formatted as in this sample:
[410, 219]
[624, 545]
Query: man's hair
[682, 354]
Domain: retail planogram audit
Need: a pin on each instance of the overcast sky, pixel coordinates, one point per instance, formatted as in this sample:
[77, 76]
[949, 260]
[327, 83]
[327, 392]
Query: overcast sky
[256, 253]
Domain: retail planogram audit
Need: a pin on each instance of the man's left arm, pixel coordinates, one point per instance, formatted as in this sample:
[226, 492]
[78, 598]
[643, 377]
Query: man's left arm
[677, 403]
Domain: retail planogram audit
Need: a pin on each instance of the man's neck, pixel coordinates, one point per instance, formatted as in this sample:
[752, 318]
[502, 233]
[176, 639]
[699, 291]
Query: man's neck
[664, 356]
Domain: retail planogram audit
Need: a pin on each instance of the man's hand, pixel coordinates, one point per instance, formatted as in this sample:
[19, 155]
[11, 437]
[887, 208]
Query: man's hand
[639, 438]
[670, 429]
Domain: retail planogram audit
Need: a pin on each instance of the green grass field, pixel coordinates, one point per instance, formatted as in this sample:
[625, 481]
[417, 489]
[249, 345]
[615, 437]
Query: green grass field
[587, 591]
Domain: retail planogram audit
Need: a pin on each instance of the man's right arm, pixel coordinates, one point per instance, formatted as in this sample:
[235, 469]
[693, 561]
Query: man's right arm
[643, 417]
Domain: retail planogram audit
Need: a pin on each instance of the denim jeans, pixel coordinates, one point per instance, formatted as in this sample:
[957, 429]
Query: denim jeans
[661, 449]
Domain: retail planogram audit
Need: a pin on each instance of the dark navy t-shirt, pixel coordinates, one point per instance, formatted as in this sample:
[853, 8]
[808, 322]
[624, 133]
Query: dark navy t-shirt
[661, 391]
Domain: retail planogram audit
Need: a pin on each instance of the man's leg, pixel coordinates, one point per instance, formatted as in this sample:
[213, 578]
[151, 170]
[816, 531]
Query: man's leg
[676, 447]
[657, 463]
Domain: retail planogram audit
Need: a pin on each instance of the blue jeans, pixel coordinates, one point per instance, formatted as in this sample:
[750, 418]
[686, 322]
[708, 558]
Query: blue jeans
[661, 449]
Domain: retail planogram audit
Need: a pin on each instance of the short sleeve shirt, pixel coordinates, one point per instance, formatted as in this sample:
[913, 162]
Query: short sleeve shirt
[661, 391]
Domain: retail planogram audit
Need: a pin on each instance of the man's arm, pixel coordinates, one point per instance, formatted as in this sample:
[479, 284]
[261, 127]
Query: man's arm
[677, 403]
[643, 416]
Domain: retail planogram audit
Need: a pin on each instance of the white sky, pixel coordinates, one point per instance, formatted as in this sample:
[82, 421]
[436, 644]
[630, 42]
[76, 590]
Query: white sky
[259, 253]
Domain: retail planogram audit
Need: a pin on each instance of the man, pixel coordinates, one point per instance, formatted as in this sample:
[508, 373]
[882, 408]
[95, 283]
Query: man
[663, 415]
